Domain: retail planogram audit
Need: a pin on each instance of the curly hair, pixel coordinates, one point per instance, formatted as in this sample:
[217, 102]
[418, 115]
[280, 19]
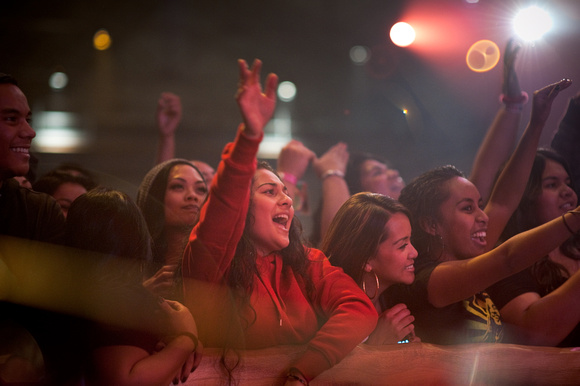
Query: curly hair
[549, 274]
[243, 268]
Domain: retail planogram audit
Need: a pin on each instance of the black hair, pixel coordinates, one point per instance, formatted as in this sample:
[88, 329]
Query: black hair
[7, 79]
[51, 181]
[423, 197]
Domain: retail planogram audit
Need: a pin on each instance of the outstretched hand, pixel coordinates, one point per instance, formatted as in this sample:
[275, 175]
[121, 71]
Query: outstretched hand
[294, 158]
[335, 158]
[543, 99]
[257, 107]
[511, 85]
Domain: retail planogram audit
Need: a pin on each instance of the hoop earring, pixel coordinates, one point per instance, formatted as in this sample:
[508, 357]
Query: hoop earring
[364, 287]
[441, 246]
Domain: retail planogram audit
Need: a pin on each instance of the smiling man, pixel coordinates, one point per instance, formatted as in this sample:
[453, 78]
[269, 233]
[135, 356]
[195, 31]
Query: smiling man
[23, 213]
[26, 215]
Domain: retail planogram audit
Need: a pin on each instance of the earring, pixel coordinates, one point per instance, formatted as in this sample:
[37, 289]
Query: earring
[364, 287]
[441, 246]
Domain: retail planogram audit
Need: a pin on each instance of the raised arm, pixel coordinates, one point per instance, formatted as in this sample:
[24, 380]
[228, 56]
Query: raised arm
[453, 281]
[501, 136]
[293, 161]
[566, 141]
[511, 183]
[331, 168]
[213, 241]
[168, 117]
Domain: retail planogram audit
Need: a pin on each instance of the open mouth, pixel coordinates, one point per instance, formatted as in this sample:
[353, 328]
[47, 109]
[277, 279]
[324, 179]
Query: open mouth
[282, 219]
[480, 237]
[567, 206]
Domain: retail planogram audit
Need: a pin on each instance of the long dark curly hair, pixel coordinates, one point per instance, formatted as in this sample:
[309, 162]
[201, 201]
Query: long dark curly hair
[549, 274]
[243, 268]
[241, 275]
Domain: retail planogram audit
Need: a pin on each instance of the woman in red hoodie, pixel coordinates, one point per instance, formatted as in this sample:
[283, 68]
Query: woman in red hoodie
[247, 275]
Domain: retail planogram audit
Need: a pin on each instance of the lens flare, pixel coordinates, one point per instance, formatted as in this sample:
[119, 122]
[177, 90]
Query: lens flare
[482, 56]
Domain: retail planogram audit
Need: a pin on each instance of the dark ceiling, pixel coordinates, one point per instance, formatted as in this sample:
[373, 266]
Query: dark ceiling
[191, 47]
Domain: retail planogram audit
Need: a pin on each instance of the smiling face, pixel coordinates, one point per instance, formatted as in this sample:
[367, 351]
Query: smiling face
[462, 223]
[393, 262]
[272, 211]
[15, 132]
[184, 195]
[557, 197]
[376, 177]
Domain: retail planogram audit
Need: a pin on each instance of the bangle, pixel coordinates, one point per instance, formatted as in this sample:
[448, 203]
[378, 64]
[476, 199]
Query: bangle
[521, 100]
[190, 336]
[566, 223]
[514, 104]
[295, 374]
[330, 173]
[291, 178]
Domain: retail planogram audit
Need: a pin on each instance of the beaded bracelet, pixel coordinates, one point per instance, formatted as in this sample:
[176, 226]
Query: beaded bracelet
[295, 374]
[191, 336]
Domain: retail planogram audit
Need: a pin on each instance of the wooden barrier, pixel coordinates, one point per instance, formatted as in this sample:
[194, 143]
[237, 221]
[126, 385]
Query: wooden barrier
[407, 364]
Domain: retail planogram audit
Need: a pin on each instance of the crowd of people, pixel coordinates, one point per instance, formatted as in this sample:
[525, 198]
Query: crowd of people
[208, 257]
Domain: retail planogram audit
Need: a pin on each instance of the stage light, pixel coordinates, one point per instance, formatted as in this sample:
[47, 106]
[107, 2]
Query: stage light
[532, 23]
[102, 40]
[58, 80]
[482, 56]
[402, 34]
[287, 91]
[359, 54]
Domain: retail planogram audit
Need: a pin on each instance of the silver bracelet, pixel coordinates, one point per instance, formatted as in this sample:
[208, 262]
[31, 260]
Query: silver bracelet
[331, 172]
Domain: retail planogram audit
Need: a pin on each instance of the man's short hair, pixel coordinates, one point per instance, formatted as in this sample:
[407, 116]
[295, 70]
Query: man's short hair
[7, 79]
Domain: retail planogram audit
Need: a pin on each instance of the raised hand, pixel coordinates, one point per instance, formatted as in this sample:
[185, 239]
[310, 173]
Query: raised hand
[335, 158]
[394, 324]
[257, 107]
[294, 158]
[168, 113]
[543, 98]
[511, 86]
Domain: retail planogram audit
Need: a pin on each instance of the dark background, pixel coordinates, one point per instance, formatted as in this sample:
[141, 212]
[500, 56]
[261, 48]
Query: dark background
[191, 47]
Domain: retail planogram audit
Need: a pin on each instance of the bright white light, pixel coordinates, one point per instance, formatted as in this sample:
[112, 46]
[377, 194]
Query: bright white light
[57, 132]
[532, 23]
[61, 140]
[271, 146]
[402, 34]
[359, 54]
[58, 80]
[286, 91]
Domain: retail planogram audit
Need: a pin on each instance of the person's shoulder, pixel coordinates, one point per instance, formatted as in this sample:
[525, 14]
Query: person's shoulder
[11, 188]
[30, 214]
